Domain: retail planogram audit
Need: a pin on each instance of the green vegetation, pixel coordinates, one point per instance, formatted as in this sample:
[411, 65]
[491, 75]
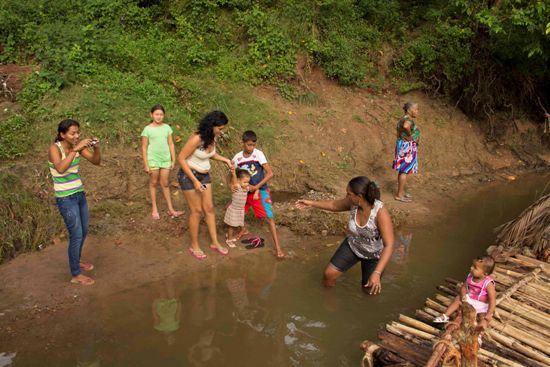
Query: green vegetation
[105, 62]
[26, 224]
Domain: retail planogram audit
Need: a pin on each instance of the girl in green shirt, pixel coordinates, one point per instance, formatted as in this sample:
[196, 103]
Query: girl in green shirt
[159, 157]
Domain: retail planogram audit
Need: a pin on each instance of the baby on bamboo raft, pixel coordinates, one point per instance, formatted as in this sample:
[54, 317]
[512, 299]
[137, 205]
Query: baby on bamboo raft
[478, 291]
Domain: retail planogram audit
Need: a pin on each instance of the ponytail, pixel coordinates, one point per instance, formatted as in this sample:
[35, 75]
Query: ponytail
[366, 188]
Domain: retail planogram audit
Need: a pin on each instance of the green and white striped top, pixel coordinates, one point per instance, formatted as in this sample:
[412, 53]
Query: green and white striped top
[68, 182]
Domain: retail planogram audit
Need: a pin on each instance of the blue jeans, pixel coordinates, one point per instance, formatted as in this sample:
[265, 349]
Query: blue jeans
[74, 210]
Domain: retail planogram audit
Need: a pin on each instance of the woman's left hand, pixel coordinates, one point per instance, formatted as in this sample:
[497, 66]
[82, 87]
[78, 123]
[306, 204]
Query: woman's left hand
[229, 164]
[374, 284]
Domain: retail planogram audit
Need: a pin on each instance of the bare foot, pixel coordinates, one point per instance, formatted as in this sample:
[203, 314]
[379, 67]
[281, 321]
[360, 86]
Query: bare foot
[174, 214]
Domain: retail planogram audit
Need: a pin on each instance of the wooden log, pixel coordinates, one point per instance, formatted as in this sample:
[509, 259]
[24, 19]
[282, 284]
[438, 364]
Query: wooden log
[532, 287]
[531, 301]
[545, 266]
[518, 347]
[424, 316]
[369, 348]
[413, 331]
[431, 311]
[418, 325]
[444, 300]
[440, 349]
[447, 290]
[414, 353]
[436, 306]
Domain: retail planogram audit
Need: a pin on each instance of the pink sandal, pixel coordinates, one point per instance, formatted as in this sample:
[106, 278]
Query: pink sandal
[221, 250]
[198, 254]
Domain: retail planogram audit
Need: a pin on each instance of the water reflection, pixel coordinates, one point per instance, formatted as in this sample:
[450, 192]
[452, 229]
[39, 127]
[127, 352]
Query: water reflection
[402, 244]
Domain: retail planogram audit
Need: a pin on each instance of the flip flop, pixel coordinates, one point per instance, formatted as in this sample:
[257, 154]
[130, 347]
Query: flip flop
[86, 266]
[231, 243]
[221, 250]
[255, 243]
[403, 199]
[408, 195]
[198, 254]
[249, 240]
[83, 281]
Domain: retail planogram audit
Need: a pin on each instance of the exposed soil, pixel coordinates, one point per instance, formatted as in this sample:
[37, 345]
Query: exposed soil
[337, 133]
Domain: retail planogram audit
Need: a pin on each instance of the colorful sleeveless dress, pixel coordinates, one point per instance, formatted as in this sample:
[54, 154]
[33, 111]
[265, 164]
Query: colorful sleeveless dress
[406, 147]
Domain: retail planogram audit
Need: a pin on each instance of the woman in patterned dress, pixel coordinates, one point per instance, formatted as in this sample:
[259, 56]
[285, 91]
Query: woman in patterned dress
[370, 236]
[406, 147]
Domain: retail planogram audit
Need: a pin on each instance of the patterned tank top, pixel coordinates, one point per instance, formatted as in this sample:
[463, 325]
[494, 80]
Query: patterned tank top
[68, 182]
[365, 241]
[402, 133]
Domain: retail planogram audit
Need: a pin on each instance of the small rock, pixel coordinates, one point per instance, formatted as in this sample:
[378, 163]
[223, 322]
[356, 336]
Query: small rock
[324, 233]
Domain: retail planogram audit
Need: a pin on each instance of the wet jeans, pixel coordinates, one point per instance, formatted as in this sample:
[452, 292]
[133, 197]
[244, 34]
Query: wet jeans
[74, 210]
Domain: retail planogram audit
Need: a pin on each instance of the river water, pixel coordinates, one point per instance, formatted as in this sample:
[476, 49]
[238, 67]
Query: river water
[255, 311]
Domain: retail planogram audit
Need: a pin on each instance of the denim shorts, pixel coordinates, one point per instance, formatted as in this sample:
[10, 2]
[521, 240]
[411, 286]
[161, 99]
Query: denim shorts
[187, 184]
[343, 259]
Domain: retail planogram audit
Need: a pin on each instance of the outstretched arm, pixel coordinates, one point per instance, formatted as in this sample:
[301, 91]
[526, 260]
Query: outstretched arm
[340, 205]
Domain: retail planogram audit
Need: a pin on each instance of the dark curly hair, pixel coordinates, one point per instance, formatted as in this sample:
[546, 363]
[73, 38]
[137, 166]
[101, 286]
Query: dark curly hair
[367, 189]
[206, 126]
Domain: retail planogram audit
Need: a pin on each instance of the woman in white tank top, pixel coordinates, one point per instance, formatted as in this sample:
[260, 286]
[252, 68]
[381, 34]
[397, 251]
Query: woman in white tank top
[370, 236]
[194, 179]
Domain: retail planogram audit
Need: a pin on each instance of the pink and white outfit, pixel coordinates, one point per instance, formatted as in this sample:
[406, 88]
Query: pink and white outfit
[476, 293]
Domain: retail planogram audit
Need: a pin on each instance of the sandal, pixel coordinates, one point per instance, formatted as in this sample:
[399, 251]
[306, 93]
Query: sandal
[231, 243]
[86, 266]
[83, 280]
[198, 254]
[221, 250]
[403, 199]
[249, 240]
[255, 243]
[441, 319]
[175, 214]
[408, 195]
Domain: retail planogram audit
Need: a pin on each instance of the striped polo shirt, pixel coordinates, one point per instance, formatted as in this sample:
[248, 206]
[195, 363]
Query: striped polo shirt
[68, 182]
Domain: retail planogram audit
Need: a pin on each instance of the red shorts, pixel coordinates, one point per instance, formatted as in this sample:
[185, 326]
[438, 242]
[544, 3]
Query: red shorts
[261, 206]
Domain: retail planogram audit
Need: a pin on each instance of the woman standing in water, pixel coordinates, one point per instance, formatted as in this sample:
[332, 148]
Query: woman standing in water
[406, 148]
[370, 236]
[194, 179]
[64, 162]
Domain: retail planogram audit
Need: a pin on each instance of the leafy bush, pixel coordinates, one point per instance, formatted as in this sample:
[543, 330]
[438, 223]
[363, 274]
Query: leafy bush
[14, 139]
[26, 222]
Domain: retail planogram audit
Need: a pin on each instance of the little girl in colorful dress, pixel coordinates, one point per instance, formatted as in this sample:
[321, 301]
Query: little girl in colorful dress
[478, 290]
[234, 214]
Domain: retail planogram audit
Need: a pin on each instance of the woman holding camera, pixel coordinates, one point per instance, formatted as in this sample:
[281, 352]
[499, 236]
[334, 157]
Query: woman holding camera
[64, 163]
[194, 179]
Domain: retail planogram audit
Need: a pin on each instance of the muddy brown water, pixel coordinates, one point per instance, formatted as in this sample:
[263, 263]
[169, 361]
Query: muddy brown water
[254, 311]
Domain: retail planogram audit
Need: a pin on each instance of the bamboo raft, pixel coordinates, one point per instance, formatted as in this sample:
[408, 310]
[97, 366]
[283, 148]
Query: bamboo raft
[519, 334]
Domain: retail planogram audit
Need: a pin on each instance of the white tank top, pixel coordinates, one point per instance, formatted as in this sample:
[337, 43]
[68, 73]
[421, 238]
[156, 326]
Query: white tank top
[200, 159]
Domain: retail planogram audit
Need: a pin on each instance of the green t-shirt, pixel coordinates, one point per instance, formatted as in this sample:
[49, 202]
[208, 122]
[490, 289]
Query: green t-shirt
[158, 151]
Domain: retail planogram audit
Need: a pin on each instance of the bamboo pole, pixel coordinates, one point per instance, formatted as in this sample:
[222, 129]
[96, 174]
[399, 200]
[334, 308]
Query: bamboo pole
[418, 325]
[515, 345]
[431, 311]
[447, 290]
[532, 327]
[522, 336]
[403, 334]
[495, 347]
[487, 356]
[528, 312]
[436, 306]
[413, 331]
